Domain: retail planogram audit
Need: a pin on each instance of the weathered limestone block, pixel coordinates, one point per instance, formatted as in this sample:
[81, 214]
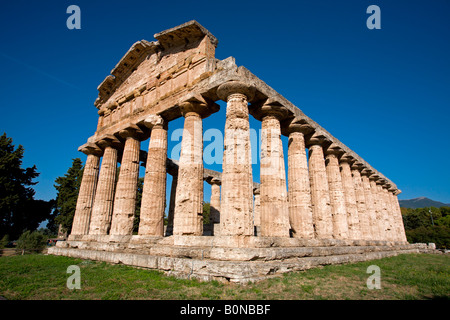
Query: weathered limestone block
[363, 215]
[215, 201]
[320, 192]
[350, 198]
[104, 196]
[337, 197]
[126, 188]
[274, 205]
[370, 205]
[300, 209]
[81, 219]
[237, 182]
[154, 189]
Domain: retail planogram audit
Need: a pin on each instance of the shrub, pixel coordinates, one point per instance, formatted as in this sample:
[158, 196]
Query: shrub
[30, 242]
[440, 235]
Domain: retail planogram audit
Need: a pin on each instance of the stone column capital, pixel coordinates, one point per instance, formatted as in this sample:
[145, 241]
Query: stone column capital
[357, 166]
[297, 125]
[131, 130]
[347, 159]
[214, 181]
[91, 148]
[153, 121]
[109, 140]
[198, 106]
[333, 149]
[366, 172]
[270, 108]
[317, 139]
[391, 189]
[230, 88]
[379, 180]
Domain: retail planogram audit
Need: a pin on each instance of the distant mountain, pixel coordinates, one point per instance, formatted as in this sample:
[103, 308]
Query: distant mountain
[421, 202]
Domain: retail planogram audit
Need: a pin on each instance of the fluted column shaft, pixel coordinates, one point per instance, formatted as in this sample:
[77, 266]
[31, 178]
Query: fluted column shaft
[237, 181]
[337, 197]
[320, 193]
[104, 196]
[398, 218]
[154, 190]
[370, 207]
[274, 206]
[257, 208]
[300, 210]
[86, 195]
[188, 216]
[388, 218]
[378, 206]
[350, 201]
[215, 201]
[126, 188]
[363, 213]
[383, 223]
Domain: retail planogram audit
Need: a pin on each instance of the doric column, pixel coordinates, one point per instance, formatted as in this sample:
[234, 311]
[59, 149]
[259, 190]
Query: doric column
[215, 201]
[188, 215]
[370, 205]
[337, 197]
[388, 218]
[398, 216]
[126, 188]
[363, 213]
[350, 197]
[237, 182]
[383, 223]
[104, 196]
[173, 193]
[154, 190]
[378, 222]
[274, 205]
[300, 209]
[320, 192]
[88, 186]
[257, 209]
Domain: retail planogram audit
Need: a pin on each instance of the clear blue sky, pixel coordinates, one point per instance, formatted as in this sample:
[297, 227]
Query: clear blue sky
[384, 93]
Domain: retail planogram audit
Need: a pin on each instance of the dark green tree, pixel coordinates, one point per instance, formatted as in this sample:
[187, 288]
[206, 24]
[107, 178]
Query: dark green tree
[424, 225]
[67, 187]
[206, 212]
[19, 211]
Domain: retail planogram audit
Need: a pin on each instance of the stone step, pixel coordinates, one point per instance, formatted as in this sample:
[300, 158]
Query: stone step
[233, 271]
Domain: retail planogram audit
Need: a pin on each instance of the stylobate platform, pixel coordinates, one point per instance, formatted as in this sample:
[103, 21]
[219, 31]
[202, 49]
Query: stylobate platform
[224, 258]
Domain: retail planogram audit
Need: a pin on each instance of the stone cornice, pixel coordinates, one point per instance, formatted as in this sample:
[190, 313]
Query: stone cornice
[190, 30]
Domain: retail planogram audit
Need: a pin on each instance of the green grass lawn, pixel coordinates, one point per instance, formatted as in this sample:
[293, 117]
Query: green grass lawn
[44, 277]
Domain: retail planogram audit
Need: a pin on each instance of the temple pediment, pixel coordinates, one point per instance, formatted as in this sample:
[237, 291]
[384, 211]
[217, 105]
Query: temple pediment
[179, 57]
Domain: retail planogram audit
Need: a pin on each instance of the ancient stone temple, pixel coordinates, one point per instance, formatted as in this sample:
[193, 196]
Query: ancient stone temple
[326, 206]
